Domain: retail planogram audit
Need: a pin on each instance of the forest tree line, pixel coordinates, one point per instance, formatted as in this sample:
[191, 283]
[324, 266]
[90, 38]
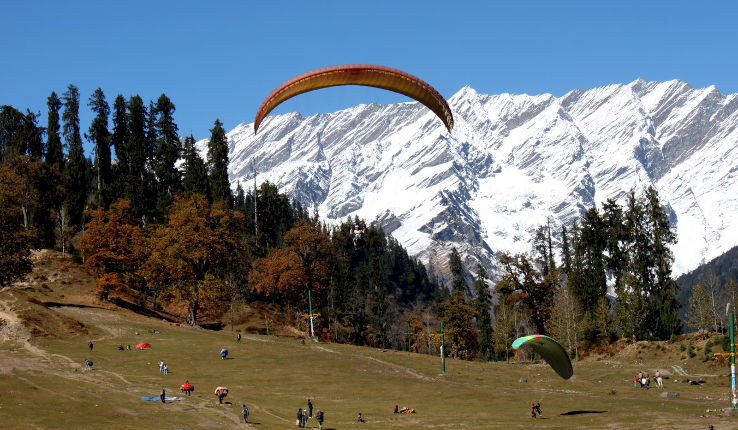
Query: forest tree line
[151, 219]
[149, 216]
[560, 288]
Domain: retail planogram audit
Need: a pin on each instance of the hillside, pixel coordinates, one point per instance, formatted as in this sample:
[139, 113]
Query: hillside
[48, 320]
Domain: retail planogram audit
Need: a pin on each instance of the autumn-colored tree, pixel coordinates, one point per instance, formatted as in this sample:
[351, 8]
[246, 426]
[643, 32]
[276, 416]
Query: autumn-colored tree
[190, 255]
[15, 240]
[113, 247]
[288, 273]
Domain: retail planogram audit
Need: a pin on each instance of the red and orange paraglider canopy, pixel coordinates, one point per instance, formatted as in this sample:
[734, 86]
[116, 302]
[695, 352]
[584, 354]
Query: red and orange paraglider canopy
[187, 387]
[359, 74]
[143, 345]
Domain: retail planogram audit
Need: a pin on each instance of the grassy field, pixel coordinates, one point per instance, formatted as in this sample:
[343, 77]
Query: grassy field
[43, 383]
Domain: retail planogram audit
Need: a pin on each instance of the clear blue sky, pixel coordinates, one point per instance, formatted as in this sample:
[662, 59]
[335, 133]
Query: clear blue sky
[220, 59]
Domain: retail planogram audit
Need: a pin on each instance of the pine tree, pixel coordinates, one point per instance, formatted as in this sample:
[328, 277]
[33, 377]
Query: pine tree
[195, 175]
[616, 258]
[239, 201]
[118, 141]
[75, 172]
[566, 257]
[218, 165]
[483, 306]
[665, 290]
[54, 149]
[168, 151]
[591, 282]
[136, 150]
[543, 245]
[100, 138]
[457, 271]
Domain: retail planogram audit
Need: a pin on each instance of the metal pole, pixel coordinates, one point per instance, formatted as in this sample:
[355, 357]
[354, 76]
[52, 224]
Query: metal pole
[443, 355]
[310, 304]
[733, 396]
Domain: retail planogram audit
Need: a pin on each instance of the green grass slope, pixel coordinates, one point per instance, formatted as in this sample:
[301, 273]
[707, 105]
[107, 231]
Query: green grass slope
[43, 383]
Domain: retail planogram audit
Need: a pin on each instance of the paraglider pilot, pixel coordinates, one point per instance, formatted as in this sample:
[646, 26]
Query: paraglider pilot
[357, 233]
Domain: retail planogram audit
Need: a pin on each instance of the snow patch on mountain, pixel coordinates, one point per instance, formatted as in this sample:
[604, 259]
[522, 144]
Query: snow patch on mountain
[511, 163]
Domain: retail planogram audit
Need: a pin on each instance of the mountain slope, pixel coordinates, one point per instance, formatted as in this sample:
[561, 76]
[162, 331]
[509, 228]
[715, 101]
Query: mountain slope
[511, 162]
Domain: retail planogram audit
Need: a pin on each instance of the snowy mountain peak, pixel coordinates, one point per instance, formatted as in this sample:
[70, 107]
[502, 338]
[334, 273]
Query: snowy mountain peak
[511, 163]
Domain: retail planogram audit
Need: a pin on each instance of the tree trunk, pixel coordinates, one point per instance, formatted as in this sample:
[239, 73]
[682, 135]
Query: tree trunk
[192, 310]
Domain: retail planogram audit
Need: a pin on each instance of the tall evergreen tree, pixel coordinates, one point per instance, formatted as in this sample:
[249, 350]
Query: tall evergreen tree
[53, 194]
[566, 254]
[239, 201]
[137, 179]
[591, 282]
[543, 246]
[483, 306]
[616, 238]
[168, 151]
[457, 271]
[218, 165]
[19, 134]
[100, 138]
[75, 172]
[195, 177]
[54, 149]
[118, 141]
[665, 290]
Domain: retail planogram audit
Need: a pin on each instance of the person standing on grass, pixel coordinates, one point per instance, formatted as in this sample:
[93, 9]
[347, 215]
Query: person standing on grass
[310, 409]
[319, 417]
[165, 368]
[163, 396]
[238, 338]
[299, 417]
[90, 345]
[88, 364]
[245, 412]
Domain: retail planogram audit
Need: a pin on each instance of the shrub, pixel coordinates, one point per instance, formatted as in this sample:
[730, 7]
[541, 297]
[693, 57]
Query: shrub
[682, 347]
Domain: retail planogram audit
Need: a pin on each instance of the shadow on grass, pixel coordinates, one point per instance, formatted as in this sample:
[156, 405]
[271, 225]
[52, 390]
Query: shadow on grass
[583, 412]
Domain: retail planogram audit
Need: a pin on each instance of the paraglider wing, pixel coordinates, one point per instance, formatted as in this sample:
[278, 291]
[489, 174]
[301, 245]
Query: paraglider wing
[143, 345]
[359, 74]
[550, 350]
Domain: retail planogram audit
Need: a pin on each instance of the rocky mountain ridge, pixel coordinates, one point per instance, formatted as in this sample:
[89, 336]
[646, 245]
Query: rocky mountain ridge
[511, 163]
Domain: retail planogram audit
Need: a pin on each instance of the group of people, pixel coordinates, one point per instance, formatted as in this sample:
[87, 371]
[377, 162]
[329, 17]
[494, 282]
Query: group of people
[643, 380]
[163, 367]
[304, 414]
[535, 408]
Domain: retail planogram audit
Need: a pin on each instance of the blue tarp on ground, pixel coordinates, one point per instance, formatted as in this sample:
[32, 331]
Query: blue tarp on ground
[158, 399]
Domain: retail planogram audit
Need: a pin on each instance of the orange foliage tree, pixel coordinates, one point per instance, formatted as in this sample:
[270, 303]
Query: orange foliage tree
[192, 254]
[287, 273]
[15, 240]
[113, 247]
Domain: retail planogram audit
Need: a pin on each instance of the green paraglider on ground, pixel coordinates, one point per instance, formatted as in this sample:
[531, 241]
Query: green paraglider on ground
[550, 350]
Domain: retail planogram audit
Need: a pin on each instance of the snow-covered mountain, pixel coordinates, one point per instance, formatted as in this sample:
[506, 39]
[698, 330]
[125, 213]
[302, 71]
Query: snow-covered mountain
[511, 162]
